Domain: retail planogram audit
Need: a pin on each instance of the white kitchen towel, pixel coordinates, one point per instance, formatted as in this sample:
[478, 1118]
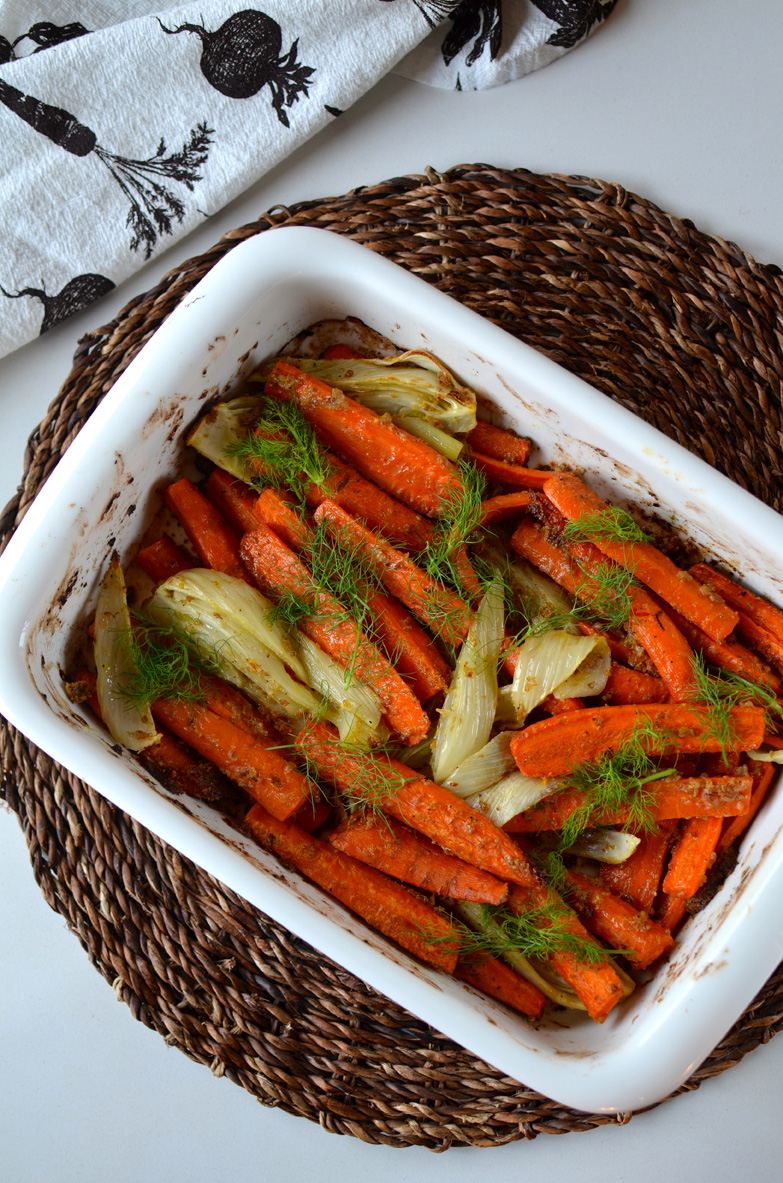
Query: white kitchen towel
[124, 125]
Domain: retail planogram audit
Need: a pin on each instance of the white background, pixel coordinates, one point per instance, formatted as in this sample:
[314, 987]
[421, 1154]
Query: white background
[680, 102]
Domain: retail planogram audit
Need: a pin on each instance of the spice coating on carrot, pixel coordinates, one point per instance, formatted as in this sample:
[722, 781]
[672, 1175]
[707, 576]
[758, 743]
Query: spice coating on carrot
[554, 746]
[212, 538]
[507, 505]
[502, 445]
[495, 978]
[400, 463]
[578, 502]
[385, 905]
[617, 922]
[233, 499]
[162, 559]
[514, 476]
[734, 827]
[626, 686]
[639, 877]
[692, 856]
[276, 569]
[410, 856]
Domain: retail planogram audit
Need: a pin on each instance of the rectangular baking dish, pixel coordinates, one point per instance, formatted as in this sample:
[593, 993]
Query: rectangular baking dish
[103, 494]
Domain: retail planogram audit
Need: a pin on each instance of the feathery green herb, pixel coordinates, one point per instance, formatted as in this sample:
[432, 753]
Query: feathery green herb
[604, 594]
[459, 520]
[540, 931]
[284, 447]
[167, 662]
[610, 525]
[720, 690]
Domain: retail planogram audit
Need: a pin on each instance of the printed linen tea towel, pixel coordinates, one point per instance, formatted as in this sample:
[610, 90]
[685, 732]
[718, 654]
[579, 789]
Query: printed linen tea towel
[124, 125]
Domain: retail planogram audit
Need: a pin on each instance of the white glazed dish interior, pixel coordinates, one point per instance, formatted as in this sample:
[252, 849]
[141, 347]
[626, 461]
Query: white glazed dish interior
[262, 294]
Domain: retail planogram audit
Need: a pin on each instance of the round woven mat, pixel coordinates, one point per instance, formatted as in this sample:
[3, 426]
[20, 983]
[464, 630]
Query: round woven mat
[678, 326]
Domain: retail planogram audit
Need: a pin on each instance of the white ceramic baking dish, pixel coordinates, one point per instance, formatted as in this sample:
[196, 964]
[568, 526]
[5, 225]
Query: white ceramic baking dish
[103, 494]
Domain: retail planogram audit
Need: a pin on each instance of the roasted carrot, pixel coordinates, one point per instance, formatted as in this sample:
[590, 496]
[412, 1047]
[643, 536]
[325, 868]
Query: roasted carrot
[432, 810]
[495, 978]
[214, 541]
[340, 353]
[408, 855]
[410, 649]
[507, 505]
[670, 910]
[554, 746]
[662, 641]
[400, 463]
[578, 502]
[727, 654]
[733, 827]
[274, 511]
[746, 602]
[674, 797]
[313, 815]
[625, 686]
[639, 877]
[266, 775]
[233, 498]
[276, 569]
[515, 476]
[435, 605]
[692, 856]
[622, 652]
[617, 922]
[163, 558]
[225, 700]
[597, 986]
[385, 905]
[503, 445]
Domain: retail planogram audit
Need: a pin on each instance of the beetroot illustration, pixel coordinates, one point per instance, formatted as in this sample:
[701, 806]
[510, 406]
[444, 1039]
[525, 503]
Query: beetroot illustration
[244, 55]
[75, 296]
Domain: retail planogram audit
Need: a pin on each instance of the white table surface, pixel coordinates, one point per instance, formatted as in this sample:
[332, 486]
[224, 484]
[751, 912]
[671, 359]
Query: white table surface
[681, 103]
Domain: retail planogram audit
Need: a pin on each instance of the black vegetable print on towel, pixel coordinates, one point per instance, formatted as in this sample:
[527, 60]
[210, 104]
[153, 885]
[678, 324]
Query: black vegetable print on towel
[77, 294]
[575, 17]
[244, 55]
[153, 206]
[481, 23]
[44, 35]
[434, 11]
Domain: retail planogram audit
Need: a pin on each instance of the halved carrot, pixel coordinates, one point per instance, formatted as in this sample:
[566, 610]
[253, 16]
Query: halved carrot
[622, 652]
[507, 505]
[754, 607]
[670, 910]
[625, 686]
[436, 606]
[266, 775]
[554, 746]
[214, 541]
[400, 463]
[225, 700]
[617, 922]
[276, 569]
[674, 797]
[494, 977]
[494, 441]
[692, 856]
[340, 353]
[162, 559]
[597, 986]
[411, 651]
[576, 500]
[410, 856]
[762, 779]
[233, 498]
[313, 815]
[272, 510]
[727, 654]
[515, 476]
[639, 877]
[385, 905]
[432, 810]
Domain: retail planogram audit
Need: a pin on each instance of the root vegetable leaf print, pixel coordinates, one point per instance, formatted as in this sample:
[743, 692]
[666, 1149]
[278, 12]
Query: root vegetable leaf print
[153, 206]
[575, 17]
[245, 54]
[77, 294]
[479, 23]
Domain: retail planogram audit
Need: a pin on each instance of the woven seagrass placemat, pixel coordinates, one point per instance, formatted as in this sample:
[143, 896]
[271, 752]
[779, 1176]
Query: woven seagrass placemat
[678, 326]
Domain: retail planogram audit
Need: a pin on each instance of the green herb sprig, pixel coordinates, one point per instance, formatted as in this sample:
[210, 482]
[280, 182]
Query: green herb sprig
[284, 447]
[720, 691]
[167, 662]
[609, 525]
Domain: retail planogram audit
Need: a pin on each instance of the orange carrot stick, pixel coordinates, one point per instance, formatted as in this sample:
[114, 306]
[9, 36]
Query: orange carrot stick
[225, 700]
[616, 922]
[340, 353]
[554, 746]
[670, 911]
[400, 463]
[276, 569]
[432, 810]
[502, 445]
[408, 855]
[507, 505]
[762, 779]
[576, 501]
[274, 511]
[621, 651]
[674, 797]
[181, 771]
[385, 905]
[440, 609]
[163, 558]
[727, 654]
[266, 775]
[494, 977]
[597, 986]
[639, 877]
[692, 856]
[410, 649]
[233, 499]
[313, 815]
[515, 476]
[625, 686]
[754, 607]
[214, 541]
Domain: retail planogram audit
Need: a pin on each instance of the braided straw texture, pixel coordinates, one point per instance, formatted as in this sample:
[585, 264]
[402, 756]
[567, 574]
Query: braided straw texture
[680, 327]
